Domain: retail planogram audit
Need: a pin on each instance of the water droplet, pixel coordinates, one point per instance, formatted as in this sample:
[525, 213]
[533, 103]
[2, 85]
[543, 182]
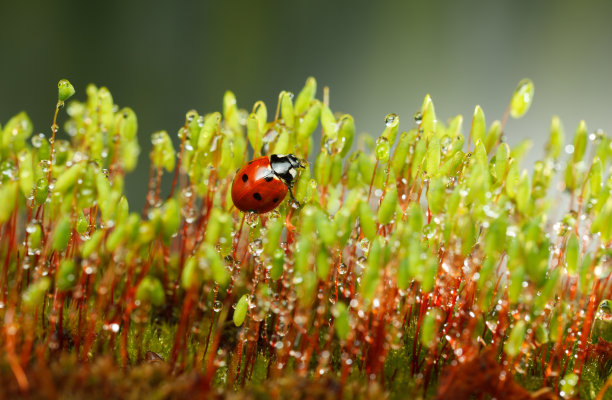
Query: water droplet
[391, 119]
[599, 135]
[190, 214]
[217, 306]
[382, 148]
[282, 327]
[44, 165]
[31, 227]
[252, 219]
[157, 138]
[273, 215]
[418, 117]
[360, 264]
[364, 245]
[190, 116]
[37, 140]
[256, 247]
[8, 170]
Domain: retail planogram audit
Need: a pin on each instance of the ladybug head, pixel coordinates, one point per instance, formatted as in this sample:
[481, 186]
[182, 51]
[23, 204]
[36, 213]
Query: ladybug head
[285, 167]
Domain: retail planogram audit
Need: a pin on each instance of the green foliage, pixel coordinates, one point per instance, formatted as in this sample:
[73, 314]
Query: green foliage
[240, 311]
[64, 90]
[34, 295]
[521, 98]
[151, 291]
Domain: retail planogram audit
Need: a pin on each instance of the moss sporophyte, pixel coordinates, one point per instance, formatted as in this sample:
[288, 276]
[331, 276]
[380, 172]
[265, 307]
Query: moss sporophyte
[428, 262]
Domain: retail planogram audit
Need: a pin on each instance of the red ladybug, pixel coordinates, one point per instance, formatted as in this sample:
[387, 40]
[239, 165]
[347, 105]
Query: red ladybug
[262, 184]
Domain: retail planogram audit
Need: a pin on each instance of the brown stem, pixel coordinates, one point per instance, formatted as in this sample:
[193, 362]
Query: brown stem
[180, 158]
[179, 340]
[54, 128]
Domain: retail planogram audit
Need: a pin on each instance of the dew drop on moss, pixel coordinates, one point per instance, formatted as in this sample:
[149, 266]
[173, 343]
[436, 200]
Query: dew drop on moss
[390, 119]
[37, 140]
[360, 264]
[252, 219]
[256, 247]
[273, 215]
[190, 116]
[364, 245]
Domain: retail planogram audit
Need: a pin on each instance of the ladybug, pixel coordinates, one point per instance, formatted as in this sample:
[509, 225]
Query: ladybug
[262, 184]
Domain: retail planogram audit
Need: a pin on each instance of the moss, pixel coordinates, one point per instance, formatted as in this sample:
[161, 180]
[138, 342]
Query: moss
[403, 265]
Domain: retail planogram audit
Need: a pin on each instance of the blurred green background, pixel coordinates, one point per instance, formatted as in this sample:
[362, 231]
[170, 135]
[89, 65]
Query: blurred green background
[376, 57]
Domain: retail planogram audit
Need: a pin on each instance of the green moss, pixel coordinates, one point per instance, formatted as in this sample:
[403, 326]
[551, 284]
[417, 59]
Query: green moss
[398, 263]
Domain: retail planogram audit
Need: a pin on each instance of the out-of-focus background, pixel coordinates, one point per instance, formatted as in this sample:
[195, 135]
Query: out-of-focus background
[376, 56]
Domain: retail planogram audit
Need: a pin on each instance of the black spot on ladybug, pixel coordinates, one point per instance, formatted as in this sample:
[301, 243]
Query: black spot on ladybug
[269, 178]
[245, 178]
[250, 162]
[275, 200]
[257, 196]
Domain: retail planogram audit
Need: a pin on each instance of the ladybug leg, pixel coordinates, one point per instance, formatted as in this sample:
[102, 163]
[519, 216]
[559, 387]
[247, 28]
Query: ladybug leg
[292, 196]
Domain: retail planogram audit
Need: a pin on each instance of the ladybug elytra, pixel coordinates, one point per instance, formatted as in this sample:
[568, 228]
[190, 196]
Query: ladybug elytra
[262, 184]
